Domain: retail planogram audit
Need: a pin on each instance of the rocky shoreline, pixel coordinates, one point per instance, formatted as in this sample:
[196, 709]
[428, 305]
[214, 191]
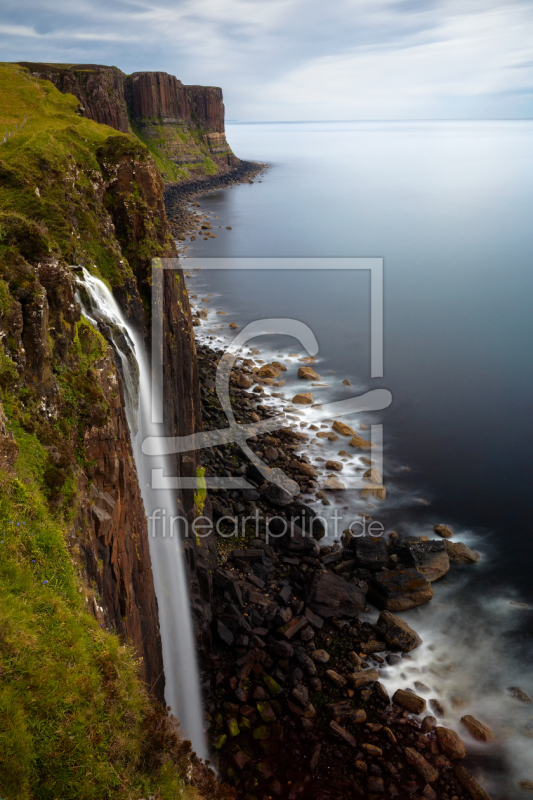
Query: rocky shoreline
[296, 707]
[180, 197]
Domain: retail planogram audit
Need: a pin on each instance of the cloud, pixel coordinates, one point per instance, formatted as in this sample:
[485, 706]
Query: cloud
[301, 59]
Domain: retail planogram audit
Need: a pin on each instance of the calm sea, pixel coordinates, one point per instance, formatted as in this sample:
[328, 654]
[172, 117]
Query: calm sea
[448, 206]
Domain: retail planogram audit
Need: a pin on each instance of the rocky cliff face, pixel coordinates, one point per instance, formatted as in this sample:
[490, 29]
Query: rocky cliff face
[182, 125]
[100, 89]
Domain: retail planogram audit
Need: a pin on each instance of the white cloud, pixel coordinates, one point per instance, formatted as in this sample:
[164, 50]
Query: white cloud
[302, 59]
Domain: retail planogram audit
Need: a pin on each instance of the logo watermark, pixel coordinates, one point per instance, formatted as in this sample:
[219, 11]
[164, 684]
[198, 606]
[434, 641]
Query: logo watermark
[239, 433]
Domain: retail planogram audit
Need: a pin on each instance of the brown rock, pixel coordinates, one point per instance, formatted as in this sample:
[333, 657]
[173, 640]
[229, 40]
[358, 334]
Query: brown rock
[343, 429]
[308, 374]
[470, 784]
[443, 530]
[333, 484]
[450, 743]
[330, 595]
[358, 441]
[268, 371]
[419, 763]
[371, 490]
[399, 590]
[476, 728]
[363, 677]
[459, 553]
[409, 700]
[397, 633]
[244, 381]
[308, 469]
[335, 465]
[342, 733]
[233, 325]
[428, 724]
[374, 476]
[303, 399]
[336, 679]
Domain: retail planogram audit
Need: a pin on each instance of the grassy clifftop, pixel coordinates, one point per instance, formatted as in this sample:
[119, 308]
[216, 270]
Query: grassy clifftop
[76, 719]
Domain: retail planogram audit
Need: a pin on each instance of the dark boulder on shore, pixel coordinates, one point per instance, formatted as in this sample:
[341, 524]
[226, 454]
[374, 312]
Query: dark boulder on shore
[399, 590]
[370, 553]
[330, 595]
[397, 633]
[429, 558]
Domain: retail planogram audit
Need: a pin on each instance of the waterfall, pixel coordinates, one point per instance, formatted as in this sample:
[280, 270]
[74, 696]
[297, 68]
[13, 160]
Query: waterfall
[182, 691]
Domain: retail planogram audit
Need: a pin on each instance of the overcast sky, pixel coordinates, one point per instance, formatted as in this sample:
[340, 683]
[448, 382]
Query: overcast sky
[301, 59]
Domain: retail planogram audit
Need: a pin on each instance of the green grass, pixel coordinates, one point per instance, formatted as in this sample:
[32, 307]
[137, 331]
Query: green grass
[76, 722]
[75, 719]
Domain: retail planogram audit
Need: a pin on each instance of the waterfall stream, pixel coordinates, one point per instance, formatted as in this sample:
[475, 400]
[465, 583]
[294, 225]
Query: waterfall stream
[182, 691]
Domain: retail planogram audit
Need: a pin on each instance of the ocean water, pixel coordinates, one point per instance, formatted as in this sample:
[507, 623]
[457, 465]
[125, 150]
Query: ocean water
[447, 205]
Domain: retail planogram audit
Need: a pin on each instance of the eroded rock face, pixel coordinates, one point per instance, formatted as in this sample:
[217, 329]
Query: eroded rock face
[100, 90]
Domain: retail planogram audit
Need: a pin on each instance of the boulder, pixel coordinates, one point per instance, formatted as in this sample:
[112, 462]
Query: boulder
[399, 590]
[371, 553]
[308, 469]
[450, 743]
[476, 729]
[420, 765]
[358, 441]
[409, 700]
[429, 558]
[428, 724]
[344, 430]
[330, 595]
[268, 371]
[470, 784]
[336, 679]
[333, 484]
[371, 490]
[303, 399]
[334, 465]
[397, 633]
[341, 733]
[443, 530]
[244, 381]
[459, 553]
[374, 476]
[308, 374]
[363, 677]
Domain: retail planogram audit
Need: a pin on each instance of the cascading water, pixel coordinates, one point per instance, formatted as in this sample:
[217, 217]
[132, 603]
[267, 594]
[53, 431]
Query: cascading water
[182, 690]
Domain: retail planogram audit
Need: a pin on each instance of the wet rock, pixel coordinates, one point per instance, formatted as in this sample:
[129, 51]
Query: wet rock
[372, 750]
[333, 484]
[519, 694]
[409, 700]
[477, 729]
[420, 765]
[334, 465]
[373, 646]
[244, 381]
[354, 659]
[268, 371]
[320, 656]
[341, 733]
[381, 692]
[373, 475]
[277, 495]
[362, 444]
[363, 677]
[437, 707]
[343, 429]
[443, 530]
[399, 590]
[347, 382]
[371, 553]
[450, 743]
[303, 399]
[397, 633]
[308, 469]
[308, 374]
[429, 558]
[371, 490]
[428, 724]
[330, 595]
[336, 679]
[459, 553]
[470, 784]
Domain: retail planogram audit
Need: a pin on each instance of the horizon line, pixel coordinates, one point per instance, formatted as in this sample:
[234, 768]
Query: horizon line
[392, 119]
